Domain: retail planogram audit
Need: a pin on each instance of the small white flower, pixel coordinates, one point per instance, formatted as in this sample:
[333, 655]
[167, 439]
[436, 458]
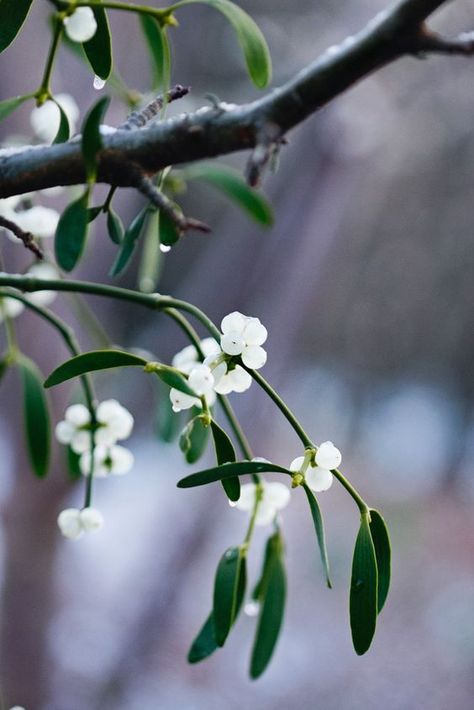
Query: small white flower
[81, 26]
[45, 119]
[8, 204]
[275, 497]
[74, 429]
[328, 456]
[187, 358]
[42, 270]
[317, 478]
[244, 336]
[108, 460]
[201, 380]
[10, 308]
[235, 380]
[73, 522]
[39, 220]
[181, 400]
[114, 423]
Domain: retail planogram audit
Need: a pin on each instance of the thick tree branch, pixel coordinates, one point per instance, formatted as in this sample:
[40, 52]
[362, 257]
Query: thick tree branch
[216, 131]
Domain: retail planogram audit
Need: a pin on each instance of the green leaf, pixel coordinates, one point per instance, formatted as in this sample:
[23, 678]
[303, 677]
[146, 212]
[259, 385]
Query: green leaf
[381, 540]
[91, 142]
[171, 377]
[167, 423]
[99, 48]
[193, 439]
[225, 454]
[272, 594]
[71, 233]
[229, 586]
[12, 15]
[158, 45]
[63, 131]
[319, 528]
[168, 232]
[227, 470]
[37, 424]
[9, 105]
[250, 38]
[205, 642]
[114, 226]
[91, 361]
[129, 243]
[363, 593]
[93, 213]
[231, 183]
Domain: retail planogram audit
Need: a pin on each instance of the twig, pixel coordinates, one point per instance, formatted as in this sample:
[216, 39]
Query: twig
[138, 119]
[159, 199]
[26, 237]
[463, 44]
[268, 143]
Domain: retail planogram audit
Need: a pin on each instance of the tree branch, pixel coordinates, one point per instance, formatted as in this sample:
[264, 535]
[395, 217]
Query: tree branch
[225, 129]
[26, 237]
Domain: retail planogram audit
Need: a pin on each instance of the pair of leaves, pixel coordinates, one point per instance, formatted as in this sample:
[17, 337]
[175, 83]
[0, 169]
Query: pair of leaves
[36, 416]
[270, 592]
[231, 183]
[370, 579]
[229, 591]
[249, 36]
[13, 13]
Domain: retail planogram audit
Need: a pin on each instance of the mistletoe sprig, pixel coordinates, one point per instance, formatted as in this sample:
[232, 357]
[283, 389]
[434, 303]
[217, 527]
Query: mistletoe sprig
[203, 373]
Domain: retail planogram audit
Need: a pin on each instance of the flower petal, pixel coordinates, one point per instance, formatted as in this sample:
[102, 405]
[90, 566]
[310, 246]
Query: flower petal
[254, 332]
[328, 456]
[234, 321]
[276, 494]
[247, 497]
[319, 479]
[297, 463]
[254, 356]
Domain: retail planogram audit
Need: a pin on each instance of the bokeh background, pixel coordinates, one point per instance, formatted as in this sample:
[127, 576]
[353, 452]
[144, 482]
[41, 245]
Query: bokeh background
[366, 286]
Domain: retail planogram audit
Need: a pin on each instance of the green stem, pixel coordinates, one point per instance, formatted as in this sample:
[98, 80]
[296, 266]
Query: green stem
[361, 504]
[44, 90]
[307, 443]
[251, 527]
[127, 7]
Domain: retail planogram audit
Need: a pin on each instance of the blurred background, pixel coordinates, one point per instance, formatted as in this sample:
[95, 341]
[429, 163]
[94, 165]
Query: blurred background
[366, 286]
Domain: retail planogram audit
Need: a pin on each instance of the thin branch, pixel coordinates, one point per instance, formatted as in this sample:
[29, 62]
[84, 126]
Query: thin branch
[26, 237]
[139, 119]
[146, 186]
[463, 44]
[209, 132]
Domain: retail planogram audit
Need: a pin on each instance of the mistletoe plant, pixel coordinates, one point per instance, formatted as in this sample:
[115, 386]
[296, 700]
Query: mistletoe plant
[142, 153]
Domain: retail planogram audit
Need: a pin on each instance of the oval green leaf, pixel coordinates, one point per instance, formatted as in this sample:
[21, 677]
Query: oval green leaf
[205, 642]
[381, 540]
[71, 233]
[171, 377]
[36, 416]
[231, 183]
[91, 142]
[99, 48]
[114, 226]
[319, 528]
[363, 592]
[249, 36]
[227, 470]
[92, 361]
[168, 232]
[197, 438]
[225, 453]
[158, 45]
[272, 594]
[9, 105]
[129, 243]
[12, 15]
[229, 585]
[63, 131]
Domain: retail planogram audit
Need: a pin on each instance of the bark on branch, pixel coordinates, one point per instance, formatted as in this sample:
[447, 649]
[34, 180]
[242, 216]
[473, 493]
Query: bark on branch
[209, 132]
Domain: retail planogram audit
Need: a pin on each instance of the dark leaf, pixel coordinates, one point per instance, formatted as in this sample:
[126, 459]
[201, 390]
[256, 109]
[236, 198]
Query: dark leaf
[227, 470]
[129, 243]
[114, 227]
[193, 439]
[171, 377]
[37, 424]
[12, 15]
[89, 362]
[381, 540]
[225, 454]
[272, 596]
[229, 589]
[158, 46]
[205, 642]
[231, 183]
[99, 48]
[93, 213]
[168, 231]
[91, 142]
[363, 593]
[63, 131]
[319, 528]
[71, 233]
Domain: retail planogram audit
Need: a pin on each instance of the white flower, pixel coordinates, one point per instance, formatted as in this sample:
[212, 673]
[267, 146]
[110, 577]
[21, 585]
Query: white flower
[181, 400]
[45, 119]
[39, 220]
[73, 522]
[317, 478]
[244, 336]
[10, 308]
[231, 380]
[108, 460]
[114, 423]
[275, 497]
[42, 270]
[187, 358]
[8, 204]
[81, 26]
[201, 380]
[328, 456]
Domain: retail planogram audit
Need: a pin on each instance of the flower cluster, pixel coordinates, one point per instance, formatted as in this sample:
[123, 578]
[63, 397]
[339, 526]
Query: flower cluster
[81, 25]
[73, 522]
[113, 423]
[318, 477]
[242, 338]
[274, 497]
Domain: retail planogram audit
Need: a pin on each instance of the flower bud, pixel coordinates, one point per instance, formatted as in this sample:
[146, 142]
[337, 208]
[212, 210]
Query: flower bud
[328, 456]
[81, 26]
